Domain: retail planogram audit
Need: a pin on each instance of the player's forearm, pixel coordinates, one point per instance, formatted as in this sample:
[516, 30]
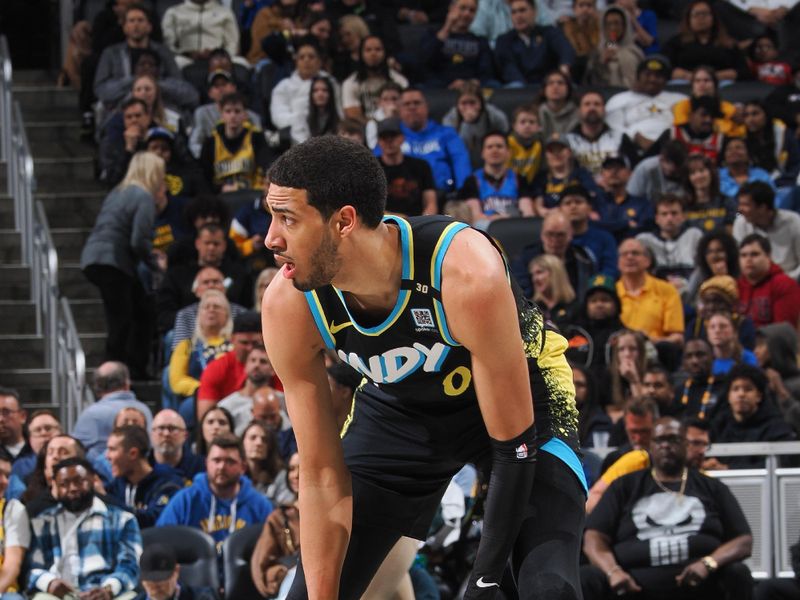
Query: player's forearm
[327, 514]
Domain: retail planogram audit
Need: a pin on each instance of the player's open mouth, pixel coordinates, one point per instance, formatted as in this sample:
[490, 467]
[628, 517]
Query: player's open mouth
[288, 270]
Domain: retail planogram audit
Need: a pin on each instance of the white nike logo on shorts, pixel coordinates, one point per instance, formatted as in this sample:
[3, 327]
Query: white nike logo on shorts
[484, 584]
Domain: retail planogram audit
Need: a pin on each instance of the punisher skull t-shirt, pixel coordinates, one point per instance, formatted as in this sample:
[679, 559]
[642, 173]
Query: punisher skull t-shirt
[654, 534]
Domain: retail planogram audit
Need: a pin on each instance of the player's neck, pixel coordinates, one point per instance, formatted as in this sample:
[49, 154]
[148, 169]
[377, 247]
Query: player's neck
[373, 272]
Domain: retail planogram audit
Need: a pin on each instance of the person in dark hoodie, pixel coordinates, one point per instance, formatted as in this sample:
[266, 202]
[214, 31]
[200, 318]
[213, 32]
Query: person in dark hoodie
[700, 394]
[597, 319]
[776, 352]
[144, 489]
[221, 500]
[752, 417]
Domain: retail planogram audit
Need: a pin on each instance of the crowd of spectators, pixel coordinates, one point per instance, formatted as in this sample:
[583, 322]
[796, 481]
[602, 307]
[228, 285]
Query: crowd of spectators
[663, 244]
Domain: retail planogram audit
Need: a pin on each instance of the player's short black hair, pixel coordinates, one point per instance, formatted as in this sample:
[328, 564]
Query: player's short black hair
[334, 172]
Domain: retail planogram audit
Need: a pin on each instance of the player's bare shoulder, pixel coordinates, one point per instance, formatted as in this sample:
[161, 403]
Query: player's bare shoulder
[286, 316]
[473, 259]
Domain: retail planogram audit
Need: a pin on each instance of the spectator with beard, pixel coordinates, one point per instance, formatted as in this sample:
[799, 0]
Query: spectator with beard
[657, 387]
[221, 500]
[104, 562]
[454, 55]
[631, 539]
[361, 89]
[592, 140]
[698, 442]
[594, 325]
[258, 373]
[143, 489]
[168, 437]
[750, 416]
[116, 151]
[576, 205]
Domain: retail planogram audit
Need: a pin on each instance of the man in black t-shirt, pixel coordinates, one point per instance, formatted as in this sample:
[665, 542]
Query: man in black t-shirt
[668, 532]
[411, 190]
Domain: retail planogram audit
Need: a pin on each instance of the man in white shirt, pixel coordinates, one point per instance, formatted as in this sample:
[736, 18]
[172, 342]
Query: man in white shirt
[644, 112]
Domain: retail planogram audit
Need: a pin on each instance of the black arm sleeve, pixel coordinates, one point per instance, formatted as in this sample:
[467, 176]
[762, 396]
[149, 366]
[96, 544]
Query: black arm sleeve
[513, 469]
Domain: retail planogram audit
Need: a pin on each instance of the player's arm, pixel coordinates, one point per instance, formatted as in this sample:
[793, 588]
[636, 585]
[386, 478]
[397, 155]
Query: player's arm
[325, 496]
[482, 315]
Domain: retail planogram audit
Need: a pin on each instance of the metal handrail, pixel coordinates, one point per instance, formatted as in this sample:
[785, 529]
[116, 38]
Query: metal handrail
[63, 353]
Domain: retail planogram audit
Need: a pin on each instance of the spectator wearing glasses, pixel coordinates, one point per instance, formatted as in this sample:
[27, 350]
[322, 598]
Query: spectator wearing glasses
[668, 531]
[42, 427]
[168, 437]
[12, 422]
[698, 442]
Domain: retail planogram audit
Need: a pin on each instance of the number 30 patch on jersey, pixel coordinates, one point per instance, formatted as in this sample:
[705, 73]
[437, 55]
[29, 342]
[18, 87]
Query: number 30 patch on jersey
[423, 319]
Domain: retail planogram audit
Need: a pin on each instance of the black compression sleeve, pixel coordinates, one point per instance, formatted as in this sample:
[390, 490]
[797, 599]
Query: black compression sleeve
[513, 469]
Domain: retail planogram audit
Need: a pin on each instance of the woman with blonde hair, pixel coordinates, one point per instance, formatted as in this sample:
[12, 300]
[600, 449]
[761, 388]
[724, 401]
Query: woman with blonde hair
[120, 242]
[145, 87]
[352, 29]
[552, 290]
[211, 338]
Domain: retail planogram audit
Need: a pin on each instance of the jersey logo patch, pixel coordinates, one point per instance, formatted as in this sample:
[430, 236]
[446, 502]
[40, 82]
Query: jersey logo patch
[485, 584]
[423, 319]
[522, 451]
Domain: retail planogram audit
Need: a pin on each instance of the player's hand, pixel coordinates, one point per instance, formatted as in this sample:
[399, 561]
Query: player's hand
[622, 583]
[693, 575]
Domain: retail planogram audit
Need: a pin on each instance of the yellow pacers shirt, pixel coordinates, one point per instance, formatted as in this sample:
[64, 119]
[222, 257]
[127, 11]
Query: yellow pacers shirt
[656, 310]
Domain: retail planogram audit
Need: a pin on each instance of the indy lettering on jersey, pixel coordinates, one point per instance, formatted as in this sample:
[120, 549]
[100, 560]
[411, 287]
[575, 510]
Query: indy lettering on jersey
[398, 363]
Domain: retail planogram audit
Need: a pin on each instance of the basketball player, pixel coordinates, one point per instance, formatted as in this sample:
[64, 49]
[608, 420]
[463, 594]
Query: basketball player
[424, 310]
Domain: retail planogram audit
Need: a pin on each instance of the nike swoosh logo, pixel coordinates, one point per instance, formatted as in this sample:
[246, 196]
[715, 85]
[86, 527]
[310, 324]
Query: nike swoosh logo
[485, 584]
[334, 329]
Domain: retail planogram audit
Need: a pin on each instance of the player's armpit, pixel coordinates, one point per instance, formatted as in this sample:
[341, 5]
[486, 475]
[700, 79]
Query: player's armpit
[295, 349]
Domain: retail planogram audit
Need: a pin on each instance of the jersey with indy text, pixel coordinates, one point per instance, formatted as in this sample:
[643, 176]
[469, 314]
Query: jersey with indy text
[416, 414]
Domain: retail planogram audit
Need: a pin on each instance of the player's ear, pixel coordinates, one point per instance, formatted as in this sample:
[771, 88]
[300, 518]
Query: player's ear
[346, 218]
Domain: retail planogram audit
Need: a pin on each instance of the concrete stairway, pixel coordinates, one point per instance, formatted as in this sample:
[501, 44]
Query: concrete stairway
[65, 184]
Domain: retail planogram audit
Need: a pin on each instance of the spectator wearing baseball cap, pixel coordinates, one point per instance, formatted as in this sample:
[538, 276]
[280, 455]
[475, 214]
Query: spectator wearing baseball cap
[184, 182]
[644, 112]
[411, 190]
[623, 214]
[220, 84]
[562, 171]
[576, 205]
[159, 574]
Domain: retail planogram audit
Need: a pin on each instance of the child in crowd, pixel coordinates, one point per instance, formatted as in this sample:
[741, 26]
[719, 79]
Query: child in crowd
[765, 63]
[525, 143]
